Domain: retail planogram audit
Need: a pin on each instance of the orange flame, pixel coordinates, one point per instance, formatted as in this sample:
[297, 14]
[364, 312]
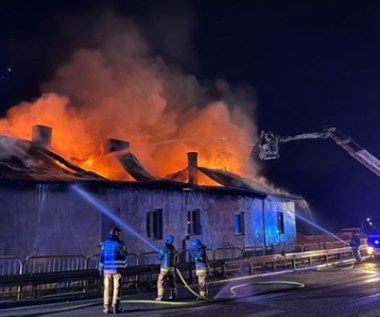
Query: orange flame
[128, 95]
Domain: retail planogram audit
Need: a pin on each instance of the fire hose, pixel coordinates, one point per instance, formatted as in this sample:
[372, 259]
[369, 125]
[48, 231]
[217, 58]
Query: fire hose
[49, 310]
[331, 268]
[233, 288]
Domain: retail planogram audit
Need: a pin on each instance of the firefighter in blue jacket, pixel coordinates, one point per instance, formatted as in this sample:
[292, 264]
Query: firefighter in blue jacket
[112, 261]
[168, 256]
[198, 255]
[355, 245]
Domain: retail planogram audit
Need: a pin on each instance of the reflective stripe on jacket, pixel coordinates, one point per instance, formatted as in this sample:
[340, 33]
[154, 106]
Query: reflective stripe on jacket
[112, 255]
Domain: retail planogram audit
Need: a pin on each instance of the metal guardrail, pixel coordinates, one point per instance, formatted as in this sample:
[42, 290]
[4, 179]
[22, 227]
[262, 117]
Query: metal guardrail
[257, 251]
[68, 273]
[52, 278]
[289, 260]
[54, 263]
[10, 266]
[148, 258]
[227, 253]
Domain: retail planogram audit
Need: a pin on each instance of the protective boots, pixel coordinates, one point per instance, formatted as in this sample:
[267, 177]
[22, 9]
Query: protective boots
[106, 309]
[173, 297]
[116, 309]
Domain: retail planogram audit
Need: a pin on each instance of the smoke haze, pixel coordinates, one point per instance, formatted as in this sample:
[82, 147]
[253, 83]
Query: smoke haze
[117, 88]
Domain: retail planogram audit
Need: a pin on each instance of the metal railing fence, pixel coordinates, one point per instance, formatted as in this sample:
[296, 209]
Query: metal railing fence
[52, 274]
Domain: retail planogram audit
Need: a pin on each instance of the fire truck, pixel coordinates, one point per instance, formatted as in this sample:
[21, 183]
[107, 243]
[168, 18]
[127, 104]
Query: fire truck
[371, 228]
[268, 149]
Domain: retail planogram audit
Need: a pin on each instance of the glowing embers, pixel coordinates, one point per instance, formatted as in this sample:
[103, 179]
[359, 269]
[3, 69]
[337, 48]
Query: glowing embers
[114, 160]
[63, 166]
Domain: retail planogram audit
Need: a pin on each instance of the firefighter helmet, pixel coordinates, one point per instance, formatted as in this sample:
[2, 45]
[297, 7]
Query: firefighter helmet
[196, 243]
[169, 239]
[115, 231]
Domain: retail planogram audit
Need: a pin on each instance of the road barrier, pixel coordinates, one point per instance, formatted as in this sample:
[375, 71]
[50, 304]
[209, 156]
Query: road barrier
[291, 261]
[39, 276]
[10, 266]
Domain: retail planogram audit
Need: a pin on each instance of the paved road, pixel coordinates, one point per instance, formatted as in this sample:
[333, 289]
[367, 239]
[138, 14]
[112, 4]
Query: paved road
[339, 292]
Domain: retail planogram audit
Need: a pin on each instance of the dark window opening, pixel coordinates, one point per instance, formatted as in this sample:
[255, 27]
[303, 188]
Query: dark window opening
[239, 224]
[280, 222]
[194, 222]
[154, 224]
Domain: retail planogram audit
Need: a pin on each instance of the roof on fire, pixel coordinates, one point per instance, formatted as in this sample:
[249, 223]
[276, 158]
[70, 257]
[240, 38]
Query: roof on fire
[22, 160]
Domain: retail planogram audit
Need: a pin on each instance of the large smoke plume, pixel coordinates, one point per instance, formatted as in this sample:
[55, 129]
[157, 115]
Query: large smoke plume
[116, 88]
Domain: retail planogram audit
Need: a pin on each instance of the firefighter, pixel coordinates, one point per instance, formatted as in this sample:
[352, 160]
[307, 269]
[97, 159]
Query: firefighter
[112, 262]
[168, 256]
[198, 255]
[355, 245]
[268, 144]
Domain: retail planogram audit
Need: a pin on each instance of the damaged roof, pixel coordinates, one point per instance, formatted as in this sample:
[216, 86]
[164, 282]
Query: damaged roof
[22, 160]
[222, 177]
[25, 161]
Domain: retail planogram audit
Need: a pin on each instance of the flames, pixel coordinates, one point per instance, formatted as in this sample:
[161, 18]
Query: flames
[120, 91]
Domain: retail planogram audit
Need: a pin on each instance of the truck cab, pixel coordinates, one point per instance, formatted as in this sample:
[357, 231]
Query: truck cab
[371, 228]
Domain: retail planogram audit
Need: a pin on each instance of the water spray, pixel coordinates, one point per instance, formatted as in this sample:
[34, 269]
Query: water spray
[320, 228]
[316, 226]
[108, 212]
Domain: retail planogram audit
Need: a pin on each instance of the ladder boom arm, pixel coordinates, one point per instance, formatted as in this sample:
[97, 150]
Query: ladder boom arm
[270, 145]
[356, 151]
[305, 136]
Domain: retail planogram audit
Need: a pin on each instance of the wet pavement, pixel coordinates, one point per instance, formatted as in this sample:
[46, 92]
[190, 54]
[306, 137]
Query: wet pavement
[346, 291]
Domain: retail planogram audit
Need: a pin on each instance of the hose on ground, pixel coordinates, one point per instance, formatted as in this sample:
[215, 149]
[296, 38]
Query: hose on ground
[39, 311]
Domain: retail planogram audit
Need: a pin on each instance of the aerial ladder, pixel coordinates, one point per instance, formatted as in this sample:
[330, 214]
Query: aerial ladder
[269, 145]
[268, 149]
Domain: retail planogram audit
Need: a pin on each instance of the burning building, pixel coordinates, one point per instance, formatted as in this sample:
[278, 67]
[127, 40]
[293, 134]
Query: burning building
[41, 214]
[144, 139]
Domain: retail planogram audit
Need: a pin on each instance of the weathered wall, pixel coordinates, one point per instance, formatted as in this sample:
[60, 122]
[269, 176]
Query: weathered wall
[53, 219]
[254, 223]
[217, 218]
[46, 220]
[279, 241]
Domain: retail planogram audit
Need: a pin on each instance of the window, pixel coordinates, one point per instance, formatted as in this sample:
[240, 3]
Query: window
[280, 222]
[239, 223]
[194, 222]
[154, 224]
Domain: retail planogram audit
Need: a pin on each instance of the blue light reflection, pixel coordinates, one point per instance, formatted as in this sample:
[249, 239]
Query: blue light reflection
[108, 212]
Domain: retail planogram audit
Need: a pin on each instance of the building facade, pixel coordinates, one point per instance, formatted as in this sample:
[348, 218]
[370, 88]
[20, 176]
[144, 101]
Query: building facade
[42, 213]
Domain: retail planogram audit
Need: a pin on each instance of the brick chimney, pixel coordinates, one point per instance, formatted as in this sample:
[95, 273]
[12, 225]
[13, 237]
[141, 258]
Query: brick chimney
[192, 167]
[129, 162]
[41, 135]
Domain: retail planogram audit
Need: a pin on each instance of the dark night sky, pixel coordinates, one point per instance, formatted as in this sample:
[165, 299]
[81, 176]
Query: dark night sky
[311, 63]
